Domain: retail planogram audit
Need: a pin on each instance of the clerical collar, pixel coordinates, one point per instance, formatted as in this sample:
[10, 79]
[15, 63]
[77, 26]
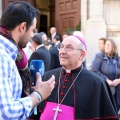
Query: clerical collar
[68, 71]
[72, 71]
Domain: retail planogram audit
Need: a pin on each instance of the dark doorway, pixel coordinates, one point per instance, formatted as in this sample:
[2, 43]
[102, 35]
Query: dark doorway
[43, 23]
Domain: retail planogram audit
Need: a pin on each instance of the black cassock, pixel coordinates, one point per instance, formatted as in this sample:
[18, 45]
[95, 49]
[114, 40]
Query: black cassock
[90, 95]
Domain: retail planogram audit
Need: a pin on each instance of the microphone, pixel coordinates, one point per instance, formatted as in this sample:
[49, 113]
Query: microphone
[37, 66]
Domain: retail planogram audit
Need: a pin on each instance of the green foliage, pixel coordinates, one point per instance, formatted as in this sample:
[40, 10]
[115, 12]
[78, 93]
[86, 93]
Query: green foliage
[78, 27]
[71, 30]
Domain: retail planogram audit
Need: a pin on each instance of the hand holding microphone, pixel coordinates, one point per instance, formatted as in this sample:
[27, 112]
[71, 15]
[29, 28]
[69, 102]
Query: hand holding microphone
[42, 88]
[37, 66]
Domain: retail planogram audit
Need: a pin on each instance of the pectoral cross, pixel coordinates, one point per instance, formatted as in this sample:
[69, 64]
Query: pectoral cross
[56, 112]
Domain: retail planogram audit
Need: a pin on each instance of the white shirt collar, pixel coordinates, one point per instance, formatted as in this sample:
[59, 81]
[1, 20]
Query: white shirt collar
[57, 42]
[40, 46]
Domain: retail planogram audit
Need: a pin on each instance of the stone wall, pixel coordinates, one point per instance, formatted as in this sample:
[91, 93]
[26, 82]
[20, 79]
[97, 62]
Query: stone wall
[0, 8]
[112, 19]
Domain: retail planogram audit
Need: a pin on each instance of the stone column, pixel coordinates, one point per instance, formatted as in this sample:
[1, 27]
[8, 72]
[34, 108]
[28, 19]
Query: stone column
[95, 28]
[0, 8]
[95, 10]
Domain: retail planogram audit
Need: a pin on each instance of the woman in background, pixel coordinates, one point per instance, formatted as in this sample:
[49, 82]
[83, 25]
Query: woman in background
[106, 64]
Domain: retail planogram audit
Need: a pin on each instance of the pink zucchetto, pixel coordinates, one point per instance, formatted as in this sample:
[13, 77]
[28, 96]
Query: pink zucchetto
[81, 39]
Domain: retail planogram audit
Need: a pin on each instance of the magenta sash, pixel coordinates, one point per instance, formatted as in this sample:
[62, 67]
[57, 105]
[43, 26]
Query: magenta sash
[67, 112]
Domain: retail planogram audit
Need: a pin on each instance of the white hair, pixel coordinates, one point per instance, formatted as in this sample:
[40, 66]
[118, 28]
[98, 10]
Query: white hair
[82, 47]
[78, 33]
[54, 29]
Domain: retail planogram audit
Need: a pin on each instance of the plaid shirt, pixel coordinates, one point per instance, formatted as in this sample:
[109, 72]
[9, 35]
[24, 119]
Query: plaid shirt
[12, 106]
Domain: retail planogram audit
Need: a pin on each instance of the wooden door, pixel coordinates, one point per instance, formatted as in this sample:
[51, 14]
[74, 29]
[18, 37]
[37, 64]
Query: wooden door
[67, 14]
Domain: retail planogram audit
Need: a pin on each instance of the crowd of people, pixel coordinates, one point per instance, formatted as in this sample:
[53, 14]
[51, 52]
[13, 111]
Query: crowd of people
[67, 90]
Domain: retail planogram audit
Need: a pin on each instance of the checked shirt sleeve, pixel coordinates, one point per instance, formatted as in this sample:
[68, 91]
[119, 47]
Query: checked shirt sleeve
[12, 107]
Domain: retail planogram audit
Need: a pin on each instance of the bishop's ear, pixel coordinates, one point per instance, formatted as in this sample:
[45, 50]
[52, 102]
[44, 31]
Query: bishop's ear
[22, 27]
[82, 55]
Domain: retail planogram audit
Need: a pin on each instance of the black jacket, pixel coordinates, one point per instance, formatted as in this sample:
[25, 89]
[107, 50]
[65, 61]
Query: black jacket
[42, 54]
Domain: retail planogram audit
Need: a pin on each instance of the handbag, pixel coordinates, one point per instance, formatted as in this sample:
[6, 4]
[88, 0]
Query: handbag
[113, 87]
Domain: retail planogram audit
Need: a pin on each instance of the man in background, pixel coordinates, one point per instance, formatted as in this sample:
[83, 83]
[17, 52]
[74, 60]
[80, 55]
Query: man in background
[53, 32]
[101, 44]
[41, 52]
